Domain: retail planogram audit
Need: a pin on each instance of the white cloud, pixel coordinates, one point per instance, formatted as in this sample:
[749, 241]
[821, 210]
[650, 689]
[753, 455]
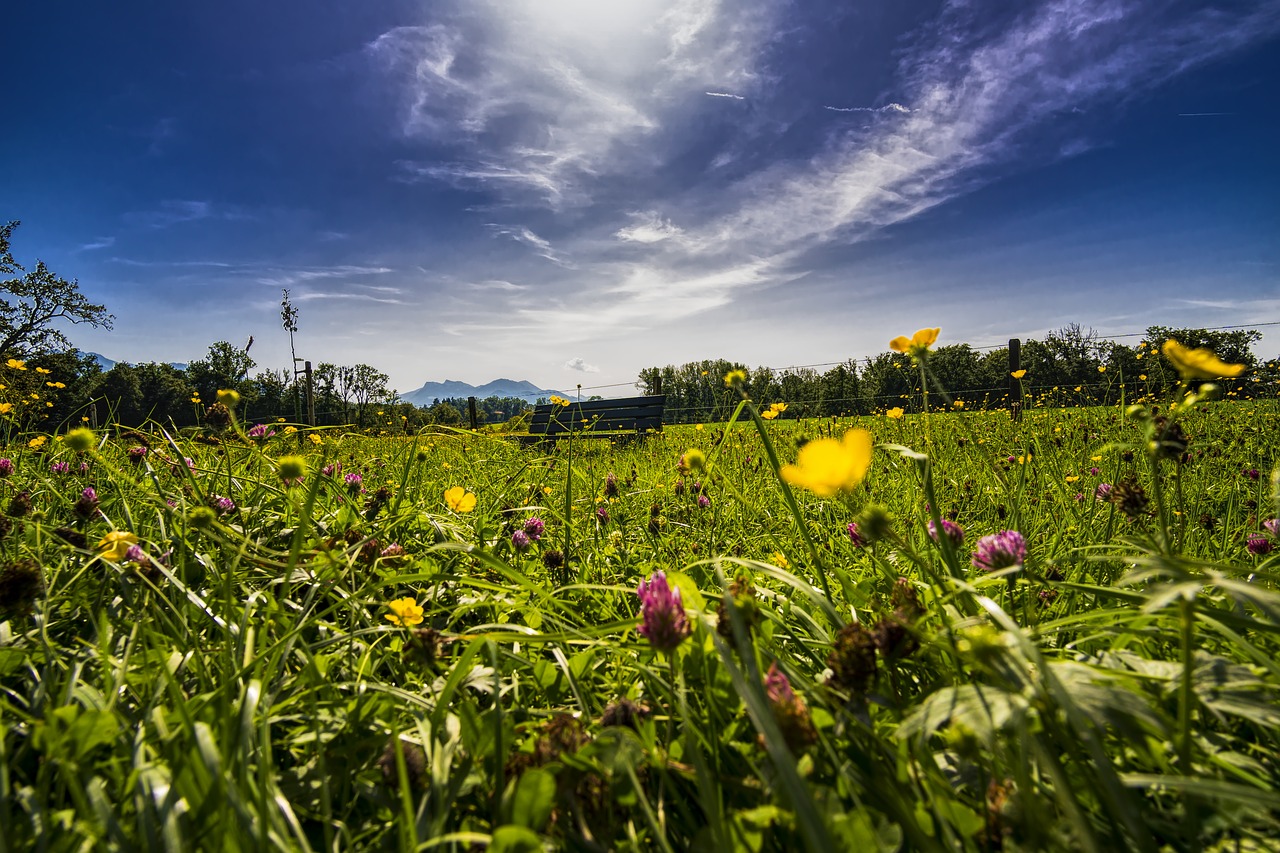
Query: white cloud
[649, 227]
[541, 98]
[887, 108]
[100, 243]
[579, 364]
[724, 95]
[521, 234]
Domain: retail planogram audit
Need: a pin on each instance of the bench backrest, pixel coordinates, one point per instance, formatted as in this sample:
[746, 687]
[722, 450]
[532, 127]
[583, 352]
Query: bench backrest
[637, 414]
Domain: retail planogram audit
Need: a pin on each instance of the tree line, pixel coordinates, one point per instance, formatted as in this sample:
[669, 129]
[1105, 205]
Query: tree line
[1071, 366]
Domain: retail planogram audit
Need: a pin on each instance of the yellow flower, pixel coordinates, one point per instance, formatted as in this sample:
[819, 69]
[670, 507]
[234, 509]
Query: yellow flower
[1072, 479]
[1018, 374]
[404, 611]
[895, 413]
[116, 544]
[1095, 458]
[195, 398]
[958, 404]
[1102, 368]
[42, 370]
[315, 439]
[546, 490]
[229, 397]
[558, 401]
[6, 408]
[1198, 363]
[37, 442]
[916, 345]
[826, 466]
[1078, 388]
[779, 407]
[1142, 376]
[734, 378]
[769, 415]
[16, 364]
[698, 428]
[779, 559]
[290, 430]
[459, 499]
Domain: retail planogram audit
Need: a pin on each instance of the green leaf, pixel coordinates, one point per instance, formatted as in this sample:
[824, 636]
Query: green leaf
[534, 797]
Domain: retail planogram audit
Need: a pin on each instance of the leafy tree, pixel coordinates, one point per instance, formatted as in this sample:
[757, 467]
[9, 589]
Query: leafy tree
[136, 393]
[38, 300]
[224, 367]
[368, 385]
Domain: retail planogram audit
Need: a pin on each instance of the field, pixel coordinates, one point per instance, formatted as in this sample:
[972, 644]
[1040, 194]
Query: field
[327, 641]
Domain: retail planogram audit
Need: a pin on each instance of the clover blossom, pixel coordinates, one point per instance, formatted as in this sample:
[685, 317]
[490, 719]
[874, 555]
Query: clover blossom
[1001, 550]
[953, 532]
[663, 622]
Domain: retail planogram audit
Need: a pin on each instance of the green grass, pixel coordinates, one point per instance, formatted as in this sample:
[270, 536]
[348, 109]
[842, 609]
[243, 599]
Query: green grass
[242, 688]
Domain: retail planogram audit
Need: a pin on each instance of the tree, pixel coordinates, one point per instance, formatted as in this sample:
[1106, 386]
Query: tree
[225, 367]
[367, 385]
[40, 299]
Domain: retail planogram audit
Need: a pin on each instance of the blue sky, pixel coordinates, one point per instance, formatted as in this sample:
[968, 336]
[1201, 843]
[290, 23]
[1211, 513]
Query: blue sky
[567, 191]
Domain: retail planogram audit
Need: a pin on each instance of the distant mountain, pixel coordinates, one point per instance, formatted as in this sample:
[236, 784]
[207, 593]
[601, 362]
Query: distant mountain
[497, 388]
[106, 363]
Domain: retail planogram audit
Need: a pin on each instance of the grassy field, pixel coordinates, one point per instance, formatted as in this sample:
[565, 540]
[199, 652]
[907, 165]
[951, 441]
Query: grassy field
[324, 641]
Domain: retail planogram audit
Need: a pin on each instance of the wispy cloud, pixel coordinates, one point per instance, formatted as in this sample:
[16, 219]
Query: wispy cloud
[177, 211]
[288, 277]
[725, 95]
[887, 108]
[539, 99]
[520, 234]
[100, 243]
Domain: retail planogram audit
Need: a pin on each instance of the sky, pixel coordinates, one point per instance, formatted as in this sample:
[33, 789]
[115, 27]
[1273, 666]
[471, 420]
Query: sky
[568, 191]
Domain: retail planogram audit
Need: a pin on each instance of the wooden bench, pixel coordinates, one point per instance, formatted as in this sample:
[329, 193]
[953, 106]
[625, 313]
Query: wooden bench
[624, 418]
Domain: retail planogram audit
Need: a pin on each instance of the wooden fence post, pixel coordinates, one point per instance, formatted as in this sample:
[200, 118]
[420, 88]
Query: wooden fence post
[471, 410]
[1015, 385]
[311, 395]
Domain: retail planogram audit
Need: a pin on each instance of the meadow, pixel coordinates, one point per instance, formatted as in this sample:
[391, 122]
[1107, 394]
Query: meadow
[955, 631]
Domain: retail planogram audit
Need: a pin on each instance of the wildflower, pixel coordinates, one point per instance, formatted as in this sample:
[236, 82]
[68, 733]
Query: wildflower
[1198, 363]
[16, 364]
[602, 515]
[353, 483]
[221, 504]
[315, 439]
[663, 622]
[1000, 551]
[333, 469]
[393, 553]
[1018, 374]
[1251, 473]
[611, 486]
[953, 532]
[202, 517]
[874, 523]
[1272, 526]
[534, 528]
[459, 499]
[553, 559]
[769, 415]
[218, 416]
[404, 612]
[1102, 368]
[1258, 545]
[229, 398]
[852, 659]
[376, 502]
[826, 466]
[743, 595]
[615, 538]
[6, 408]
[6, 467]
[21, 583]
[779, 559]
[115, 545]
[292, 469]
[895, 413]
[1129, 497]
[20, 504]
[81, 439]
[789, 710]
[260, 432]
[520, 541]
[38, 442]
[916, 345]
[60, 467]
[136, 455]
[624, 713]
[692, 459]
[735, 378]
[854, 536]
[704, 502]
[87, 504]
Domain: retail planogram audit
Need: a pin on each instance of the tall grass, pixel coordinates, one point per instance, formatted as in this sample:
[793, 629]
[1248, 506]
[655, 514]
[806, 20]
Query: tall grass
[238, 685]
